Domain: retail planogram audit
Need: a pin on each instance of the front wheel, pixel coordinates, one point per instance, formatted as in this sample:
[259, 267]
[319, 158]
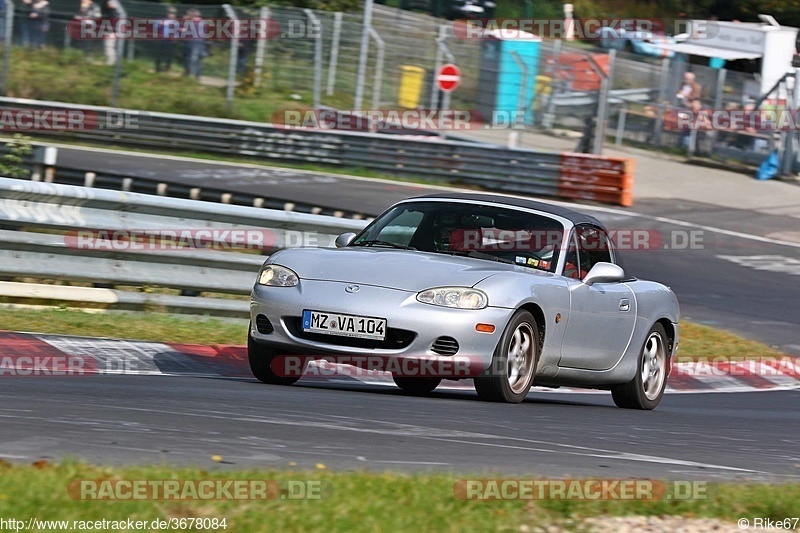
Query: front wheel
[510, 376]
[261, 358]
[646, 389]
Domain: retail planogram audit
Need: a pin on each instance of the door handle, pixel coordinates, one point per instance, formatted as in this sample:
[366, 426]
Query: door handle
[624, 305]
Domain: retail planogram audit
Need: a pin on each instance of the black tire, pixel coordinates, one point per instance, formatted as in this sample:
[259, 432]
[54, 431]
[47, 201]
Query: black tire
[502, 382]
[260, 358]
[416, 385]
[641, 393]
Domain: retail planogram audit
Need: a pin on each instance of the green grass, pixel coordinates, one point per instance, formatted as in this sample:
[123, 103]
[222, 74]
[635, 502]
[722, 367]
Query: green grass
[697, 341]
[71, 76]
[354, 501]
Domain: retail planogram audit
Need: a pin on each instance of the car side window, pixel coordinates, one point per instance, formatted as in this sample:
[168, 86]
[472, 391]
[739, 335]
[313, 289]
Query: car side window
[593, 248]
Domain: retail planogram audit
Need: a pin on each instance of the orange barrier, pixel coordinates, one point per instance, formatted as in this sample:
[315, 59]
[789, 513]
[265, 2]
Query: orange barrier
[576, 69]
[594, 177]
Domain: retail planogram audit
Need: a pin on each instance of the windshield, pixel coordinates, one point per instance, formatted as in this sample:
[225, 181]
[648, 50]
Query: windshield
[473, 230]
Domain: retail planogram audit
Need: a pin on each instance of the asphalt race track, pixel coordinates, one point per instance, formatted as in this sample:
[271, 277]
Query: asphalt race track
[186, 420]
[182, 419]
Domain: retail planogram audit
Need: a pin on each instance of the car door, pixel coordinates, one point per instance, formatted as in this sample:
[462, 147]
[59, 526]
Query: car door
[602, 315]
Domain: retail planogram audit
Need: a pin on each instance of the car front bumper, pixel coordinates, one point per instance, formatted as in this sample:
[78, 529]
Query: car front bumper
[420, 324]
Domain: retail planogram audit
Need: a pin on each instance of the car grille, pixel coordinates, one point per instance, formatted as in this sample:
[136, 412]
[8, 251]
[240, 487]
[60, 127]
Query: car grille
[395, 338]
[445, 346]
[263, 325]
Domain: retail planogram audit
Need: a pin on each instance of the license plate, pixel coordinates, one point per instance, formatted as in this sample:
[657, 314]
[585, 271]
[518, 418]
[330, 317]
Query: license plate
[360, 327]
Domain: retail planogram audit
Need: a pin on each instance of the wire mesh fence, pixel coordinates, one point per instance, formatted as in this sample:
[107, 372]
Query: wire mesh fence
[310, 59]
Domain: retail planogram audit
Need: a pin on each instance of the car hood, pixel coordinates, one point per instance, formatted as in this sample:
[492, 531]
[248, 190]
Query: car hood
[397, 269]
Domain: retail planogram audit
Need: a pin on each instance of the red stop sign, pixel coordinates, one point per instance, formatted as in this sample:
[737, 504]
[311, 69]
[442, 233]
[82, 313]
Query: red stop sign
[448, 77]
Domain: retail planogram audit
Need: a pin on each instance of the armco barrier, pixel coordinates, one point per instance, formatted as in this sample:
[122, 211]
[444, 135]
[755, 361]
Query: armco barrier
[39, 225]
[491, 167]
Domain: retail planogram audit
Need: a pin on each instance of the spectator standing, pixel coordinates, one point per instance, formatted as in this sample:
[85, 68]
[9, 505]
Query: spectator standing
[87, 17]
[40, 22]
[166, 30]
[2, 20]
[195, 46]
[690, 90]
[26, 22]
[110, 12]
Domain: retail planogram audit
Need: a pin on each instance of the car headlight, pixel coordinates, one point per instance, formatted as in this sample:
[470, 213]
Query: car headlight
[456, 297]
[277, 276]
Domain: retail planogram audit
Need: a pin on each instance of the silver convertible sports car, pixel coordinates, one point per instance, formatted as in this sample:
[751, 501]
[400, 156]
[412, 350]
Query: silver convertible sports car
[506, 291]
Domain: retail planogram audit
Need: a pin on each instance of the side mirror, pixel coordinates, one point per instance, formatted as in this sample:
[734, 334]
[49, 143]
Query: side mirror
[604, 273]
[344, 239]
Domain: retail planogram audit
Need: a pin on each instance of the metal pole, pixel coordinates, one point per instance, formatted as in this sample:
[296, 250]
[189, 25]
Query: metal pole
[337, 33]
[621, 119]
[261, 48]
[234, 56]
[362, 58]
[316, 28]
[437, 65]
[713, 135]
[515, 137]
[795, 105]
[662, 97]
[602, 104]
[378, 82]
[120, 44]
[442, 50]
[550, 115]
[9, 27]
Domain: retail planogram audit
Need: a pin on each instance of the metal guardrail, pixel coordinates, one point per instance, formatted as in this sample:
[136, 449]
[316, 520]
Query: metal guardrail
[492, 167]
[41, 227]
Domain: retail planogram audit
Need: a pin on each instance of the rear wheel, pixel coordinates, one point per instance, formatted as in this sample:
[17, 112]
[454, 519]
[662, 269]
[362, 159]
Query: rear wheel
[510, 376]
[416, 385]
[261, 358]
[646, 389]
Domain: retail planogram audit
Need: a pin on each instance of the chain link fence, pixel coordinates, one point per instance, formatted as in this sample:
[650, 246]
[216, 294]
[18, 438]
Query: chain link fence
[313, 59]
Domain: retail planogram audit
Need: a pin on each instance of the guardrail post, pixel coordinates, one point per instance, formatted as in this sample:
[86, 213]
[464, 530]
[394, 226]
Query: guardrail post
[7, 37]
[362, 57]
[43, 161]
[337, 35]
[316, 28]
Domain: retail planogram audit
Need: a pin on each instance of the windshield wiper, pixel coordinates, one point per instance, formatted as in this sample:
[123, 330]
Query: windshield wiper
[477, 255]
[377, 242]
